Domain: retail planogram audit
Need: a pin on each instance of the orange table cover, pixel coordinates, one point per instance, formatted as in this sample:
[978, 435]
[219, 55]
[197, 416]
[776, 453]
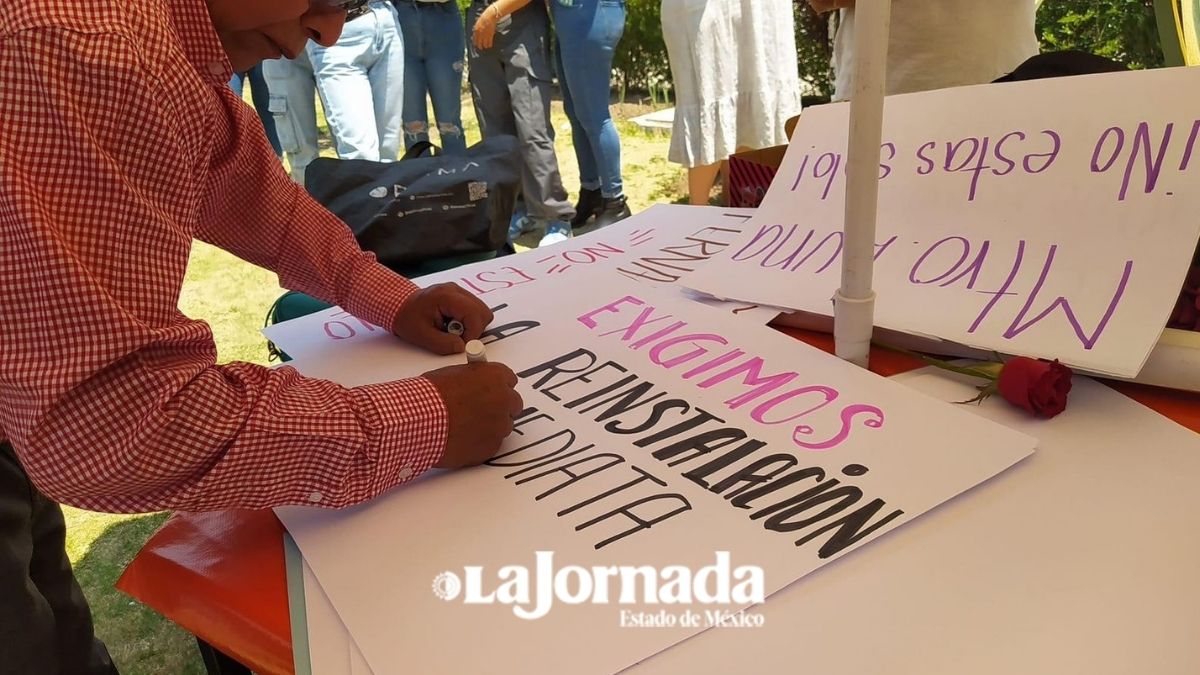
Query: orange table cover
[221, 575]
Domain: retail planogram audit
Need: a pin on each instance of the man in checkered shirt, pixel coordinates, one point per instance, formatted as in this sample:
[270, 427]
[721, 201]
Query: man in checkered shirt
[120, 142]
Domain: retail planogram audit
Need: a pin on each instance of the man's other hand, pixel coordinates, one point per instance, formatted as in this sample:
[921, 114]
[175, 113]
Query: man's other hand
[481, 402]
[422, 319]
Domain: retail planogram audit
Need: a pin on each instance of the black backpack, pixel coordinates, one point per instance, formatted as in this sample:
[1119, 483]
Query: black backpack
[424, 207]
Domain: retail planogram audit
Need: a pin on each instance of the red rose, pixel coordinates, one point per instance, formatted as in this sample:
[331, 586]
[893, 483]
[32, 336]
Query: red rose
[1041, 387]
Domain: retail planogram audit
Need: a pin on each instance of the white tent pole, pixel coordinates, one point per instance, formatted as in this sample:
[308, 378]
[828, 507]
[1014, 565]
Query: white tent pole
[854, 303]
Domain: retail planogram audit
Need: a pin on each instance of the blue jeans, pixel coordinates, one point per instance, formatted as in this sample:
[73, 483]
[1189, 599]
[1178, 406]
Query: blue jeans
[588, 32]
[261, 97]
[294, 107]
[361, 82]
[434, 51]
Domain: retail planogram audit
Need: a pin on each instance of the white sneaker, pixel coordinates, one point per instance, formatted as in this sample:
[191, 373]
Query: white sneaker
[556, 232]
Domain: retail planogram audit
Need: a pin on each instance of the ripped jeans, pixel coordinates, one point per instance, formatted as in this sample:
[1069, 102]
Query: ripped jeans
[434, 50]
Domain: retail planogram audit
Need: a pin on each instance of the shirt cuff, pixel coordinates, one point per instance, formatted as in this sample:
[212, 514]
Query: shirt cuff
[409, 427]
[378, 295]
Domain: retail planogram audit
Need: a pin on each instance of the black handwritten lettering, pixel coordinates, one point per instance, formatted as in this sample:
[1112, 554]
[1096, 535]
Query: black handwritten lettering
[700, 473]
[554, 367]
[630, 511]
[699, 445]
[610, 460]
[849, 529]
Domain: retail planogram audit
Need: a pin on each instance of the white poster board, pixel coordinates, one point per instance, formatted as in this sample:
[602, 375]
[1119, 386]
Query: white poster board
[959, 591]
[1053, 218]
[659, 246]
[658, 433]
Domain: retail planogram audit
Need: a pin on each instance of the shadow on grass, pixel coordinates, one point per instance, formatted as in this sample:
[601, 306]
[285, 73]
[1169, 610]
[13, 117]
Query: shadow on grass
[140, 640]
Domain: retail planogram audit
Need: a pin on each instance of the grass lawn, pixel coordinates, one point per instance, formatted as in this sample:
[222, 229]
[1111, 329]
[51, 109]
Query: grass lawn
[233, 297]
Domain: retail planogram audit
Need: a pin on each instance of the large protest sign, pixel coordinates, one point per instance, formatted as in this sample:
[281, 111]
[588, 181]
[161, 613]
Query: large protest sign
[912, 602]
[1053, 218]
[659, 435]
[660, 245]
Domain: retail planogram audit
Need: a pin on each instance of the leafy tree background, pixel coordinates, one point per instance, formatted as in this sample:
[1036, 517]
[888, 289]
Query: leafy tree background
[1122, 30]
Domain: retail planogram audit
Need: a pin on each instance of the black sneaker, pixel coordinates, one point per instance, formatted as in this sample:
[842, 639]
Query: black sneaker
[589, 205]
[612, 210]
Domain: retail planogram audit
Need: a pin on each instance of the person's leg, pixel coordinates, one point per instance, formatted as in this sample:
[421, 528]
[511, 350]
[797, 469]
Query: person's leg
[340, 72]
[294, 109]
[444, 65]
[588, 33]
[261, 95]
[700, 183]
[590, 199]
[386, 74]
[571, 26]
[45, 623]
[415, 109]
[528, 76]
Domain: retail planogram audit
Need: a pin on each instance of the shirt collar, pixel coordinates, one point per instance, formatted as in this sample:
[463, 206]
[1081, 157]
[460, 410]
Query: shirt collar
[199, 41]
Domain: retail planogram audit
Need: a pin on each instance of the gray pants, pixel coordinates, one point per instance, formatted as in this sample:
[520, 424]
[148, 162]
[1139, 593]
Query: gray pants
[45, 623]
[510, 84]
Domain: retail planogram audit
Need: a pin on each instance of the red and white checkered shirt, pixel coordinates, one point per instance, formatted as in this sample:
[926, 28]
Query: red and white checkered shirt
[120, 142]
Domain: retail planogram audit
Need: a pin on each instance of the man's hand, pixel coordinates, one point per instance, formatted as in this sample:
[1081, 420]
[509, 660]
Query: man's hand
[822, 6]
[421, 320]
[481, 403]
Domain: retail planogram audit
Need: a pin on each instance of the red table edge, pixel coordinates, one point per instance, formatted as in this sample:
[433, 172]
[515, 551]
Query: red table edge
[255, 628]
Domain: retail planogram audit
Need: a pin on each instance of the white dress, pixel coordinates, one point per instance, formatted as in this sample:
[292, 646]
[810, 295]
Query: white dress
[936, 44]
[736, 79]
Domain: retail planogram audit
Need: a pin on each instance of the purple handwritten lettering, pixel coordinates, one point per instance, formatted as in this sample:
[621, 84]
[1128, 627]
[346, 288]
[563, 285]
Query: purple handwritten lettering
[751, 372]
[836, 237]
[767, 261]
[800, 172]
[1119, 133]
[1048, 156]
[772, 231]
[1191, 144]
[965, 251]
[1088, 340]
[874, 421]
[719, 361]
[827, 395]
[1003, 290]
[1141, 141]
[973, 163]
[929, 164]
[833, 162]
[656, 352]
[1010, 164]
[591, 254]
[880, 249]
[885, 169]
[612, 307]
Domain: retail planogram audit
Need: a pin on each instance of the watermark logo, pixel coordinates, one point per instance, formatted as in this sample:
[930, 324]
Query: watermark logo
[447, 586]
[532, 593]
